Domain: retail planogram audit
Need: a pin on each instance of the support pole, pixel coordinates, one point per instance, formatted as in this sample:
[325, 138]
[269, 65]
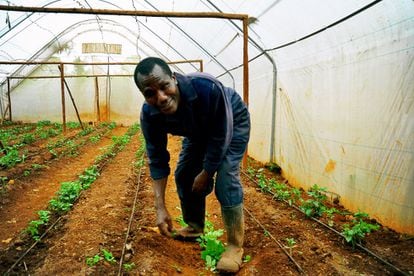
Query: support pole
[62, 93]
[98, 111]
[245, 75]
[73, 101]
[9, 99]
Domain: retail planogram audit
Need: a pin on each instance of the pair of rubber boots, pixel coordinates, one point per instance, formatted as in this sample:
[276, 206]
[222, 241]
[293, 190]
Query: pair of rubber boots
[233, 220]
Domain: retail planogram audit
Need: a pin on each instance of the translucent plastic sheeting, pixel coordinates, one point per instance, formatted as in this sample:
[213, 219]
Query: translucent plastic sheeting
[345, 113]
[334, 109]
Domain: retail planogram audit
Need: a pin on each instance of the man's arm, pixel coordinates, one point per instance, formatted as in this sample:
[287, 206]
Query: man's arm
[164, 222]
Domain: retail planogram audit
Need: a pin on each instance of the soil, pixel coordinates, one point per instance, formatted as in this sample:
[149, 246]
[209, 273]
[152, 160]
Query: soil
[101, 219]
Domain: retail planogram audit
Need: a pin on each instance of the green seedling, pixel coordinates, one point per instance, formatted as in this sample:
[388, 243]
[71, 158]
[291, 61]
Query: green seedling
[92, 261]
[314, 207]
[290, 244]
[95, 139]
[181, 221]
[37, 166]
[28, 138]
[11, 158]
[89, 176]
[211, 246]
[128, 266]
[34, 225]
[68, 193]
[247, 259]
[108, 256]
[356, 232]
[72, 125]
[251, 171]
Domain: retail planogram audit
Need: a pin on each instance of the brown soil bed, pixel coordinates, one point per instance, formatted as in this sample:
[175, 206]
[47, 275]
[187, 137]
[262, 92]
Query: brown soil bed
[100, 220]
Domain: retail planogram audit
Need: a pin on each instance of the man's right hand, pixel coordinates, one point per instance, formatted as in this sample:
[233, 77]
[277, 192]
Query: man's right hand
[164, 222]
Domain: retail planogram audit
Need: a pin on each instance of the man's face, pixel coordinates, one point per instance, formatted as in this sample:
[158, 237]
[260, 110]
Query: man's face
[160, 90]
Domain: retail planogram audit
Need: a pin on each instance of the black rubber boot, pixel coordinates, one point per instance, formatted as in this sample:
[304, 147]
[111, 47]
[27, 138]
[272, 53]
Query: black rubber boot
[233, 219]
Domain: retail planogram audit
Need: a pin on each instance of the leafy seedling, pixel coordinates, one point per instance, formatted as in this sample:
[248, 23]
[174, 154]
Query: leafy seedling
[290, 244]
[356, 233]
[108, 256]
[247, 259]
[92, 261]
[211, 246]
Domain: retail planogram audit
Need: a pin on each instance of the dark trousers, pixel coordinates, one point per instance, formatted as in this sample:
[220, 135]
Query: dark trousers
[228, 188]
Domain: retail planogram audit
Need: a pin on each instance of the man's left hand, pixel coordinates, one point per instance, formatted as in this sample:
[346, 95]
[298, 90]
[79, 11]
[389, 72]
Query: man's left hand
[201, 183]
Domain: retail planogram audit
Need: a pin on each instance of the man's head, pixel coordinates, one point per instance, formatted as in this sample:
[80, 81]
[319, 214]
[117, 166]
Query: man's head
[156, 82]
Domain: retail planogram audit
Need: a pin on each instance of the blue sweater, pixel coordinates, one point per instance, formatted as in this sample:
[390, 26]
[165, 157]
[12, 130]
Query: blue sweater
[206, 114]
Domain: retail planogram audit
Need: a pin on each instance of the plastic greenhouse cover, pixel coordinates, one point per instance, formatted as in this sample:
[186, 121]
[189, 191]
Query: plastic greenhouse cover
[331, 82]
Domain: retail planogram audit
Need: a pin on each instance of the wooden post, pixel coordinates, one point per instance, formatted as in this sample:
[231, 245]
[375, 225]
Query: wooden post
[73, 102]
[62, 93]
[8, 97]
[98, 111]
[245, 76]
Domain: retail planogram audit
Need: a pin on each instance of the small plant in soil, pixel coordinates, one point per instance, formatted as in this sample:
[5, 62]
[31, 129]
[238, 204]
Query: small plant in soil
[211, 246]
[180, 220]
[128, 266]
[34, 225]
[247, 259]
[92, 261]
[107, 255]
[290, 244]
[314, 206]
[356, 232]
[104, 255]
[89, 176]
[68, 193]
[11, 158]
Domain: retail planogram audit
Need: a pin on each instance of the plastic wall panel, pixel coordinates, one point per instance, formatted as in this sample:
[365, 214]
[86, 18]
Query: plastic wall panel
[260, 107]
[345, 113]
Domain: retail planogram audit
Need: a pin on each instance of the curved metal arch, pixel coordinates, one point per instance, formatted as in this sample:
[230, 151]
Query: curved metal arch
[45, 5]
[174, 25]
[196, 43]
[86, 22]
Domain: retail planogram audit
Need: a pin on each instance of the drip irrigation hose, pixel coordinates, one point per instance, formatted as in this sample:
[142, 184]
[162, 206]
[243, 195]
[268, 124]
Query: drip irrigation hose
[130, 219]
[278, 243]
[31, 247]
[360, 246]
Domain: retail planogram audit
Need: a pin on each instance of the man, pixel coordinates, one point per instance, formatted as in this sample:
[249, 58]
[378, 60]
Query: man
[215, 124]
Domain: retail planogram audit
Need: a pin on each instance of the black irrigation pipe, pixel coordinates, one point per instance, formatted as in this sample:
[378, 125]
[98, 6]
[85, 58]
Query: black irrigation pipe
[278, 243]
[32, 246]
[100, 168]
[360, 246]
[130, 218]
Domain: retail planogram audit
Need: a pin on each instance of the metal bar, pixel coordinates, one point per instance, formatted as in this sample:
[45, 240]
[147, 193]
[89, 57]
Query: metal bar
[7, 62]
[73, 101]
[126, 12]
[69, 76]
[9, 99]
[62, 93]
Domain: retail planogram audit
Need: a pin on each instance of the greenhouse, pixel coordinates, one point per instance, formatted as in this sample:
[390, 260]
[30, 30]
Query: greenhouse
[291, 121]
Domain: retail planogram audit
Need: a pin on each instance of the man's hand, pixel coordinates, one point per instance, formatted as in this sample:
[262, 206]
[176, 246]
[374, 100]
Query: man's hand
[202, 183]
[164, 222]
